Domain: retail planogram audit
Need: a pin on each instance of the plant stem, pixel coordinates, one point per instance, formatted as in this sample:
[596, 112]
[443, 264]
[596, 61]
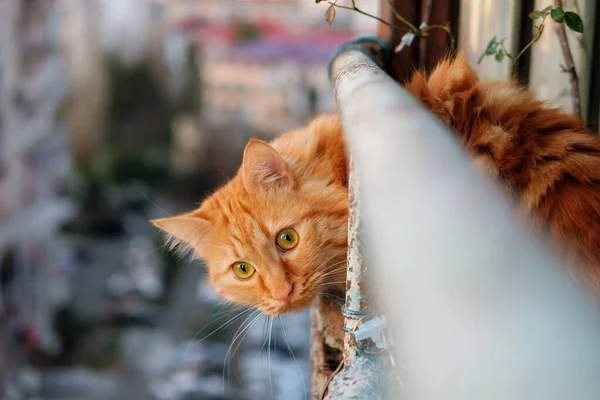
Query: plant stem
[524, 49]
[506, 53]
[358, 10]
[425, 19]
[570, 65]
[413, 28]
[448, 31]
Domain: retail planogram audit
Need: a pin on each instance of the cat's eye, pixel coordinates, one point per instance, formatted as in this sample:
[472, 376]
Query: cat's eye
[287, 239]
[242, 270]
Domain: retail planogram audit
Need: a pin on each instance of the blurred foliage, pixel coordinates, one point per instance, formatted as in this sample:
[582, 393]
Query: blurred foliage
[189, 98]
[170, 264]
[7, 268]
[497, 49]
[138, 142]
[139, 127]
[139, 124]
[97, 216]
[71, 331]
[246, 31]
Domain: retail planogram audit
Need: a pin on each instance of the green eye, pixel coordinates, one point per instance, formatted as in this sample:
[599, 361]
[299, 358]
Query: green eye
[287, 239]
[242, 270]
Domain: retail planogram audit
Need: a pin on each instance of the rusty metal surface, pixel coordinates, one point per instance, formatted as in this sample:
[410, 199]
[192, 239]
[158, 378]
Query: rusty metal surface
[326, 343]
[362, 374]
[356, 297]
[471, 310]
[364, 378]
[319, 369]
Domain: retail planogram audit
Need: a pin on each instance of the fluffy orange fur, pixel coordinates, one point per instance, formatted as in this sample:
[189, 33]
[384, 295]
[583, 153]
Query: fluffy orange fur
[299, 180]
[547, 159]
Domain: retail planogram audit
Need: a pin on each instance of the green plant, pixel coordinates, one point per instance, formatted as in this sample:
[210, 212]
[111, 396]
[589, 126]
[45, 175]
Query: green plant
[408, 28]
[571, 19]
[497, 49]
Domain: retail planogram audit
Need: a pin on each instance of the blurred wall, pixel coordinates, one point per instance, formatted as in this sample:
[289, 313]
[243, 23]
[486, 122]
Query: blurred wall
[86, 105]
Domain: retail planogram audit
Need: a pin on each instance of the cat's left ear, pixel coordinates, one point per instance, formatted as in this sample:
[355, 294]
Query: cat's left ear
[263, 167]
[186, 230]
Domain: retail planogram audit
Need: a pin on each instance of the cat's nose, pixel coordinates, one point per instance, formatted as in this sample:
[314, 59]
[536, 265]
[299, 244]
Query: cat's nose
[284, 293]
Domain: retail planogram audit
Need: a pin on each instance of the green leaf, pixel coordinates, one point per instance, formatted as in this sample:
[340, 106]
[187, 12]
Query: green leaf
[491, 47]
[489, 50]
[546, 10]
[574, 21]
[535, 15]
[330, 14]
[499, 56]
[558, 15]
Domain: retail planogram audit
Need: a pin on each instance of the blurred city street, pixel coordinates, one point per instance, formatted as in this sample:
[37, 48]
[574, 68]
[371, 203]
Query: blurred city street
[116, 112]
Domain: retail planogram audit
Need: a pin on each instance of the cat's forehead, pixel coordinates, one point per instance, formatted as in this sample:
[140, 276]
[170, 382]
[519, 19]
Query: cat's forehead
[257, 214]
[248, 233]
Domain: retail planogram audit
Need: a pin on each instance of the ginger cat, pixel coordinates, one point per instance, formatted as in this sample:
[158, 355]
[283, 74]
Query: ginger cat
[274, 237]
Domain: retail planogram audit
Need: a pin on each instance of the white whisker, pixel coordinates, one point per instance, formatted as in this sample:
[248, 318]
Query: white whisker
[269, 356]
[331, 266]
[238, 333]
[293, 356]
[333, 283]
[331, 295]
[225, 325]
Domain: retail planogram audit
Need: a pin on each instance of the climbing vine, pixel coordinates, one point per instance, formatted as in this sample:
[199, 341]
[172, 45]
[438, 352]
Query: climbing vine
[411, 31]
[496, 47]
[571, 19]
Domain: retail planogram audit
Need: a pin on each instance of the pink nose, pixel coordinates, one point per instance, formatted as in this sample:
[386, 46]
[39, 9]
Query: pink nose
[284, 293]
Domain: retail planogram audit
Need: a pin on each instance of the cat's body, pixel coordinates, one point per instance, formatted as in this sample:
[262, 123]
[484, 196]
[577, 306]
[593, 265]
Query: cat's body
[275, 236]
[546, 159]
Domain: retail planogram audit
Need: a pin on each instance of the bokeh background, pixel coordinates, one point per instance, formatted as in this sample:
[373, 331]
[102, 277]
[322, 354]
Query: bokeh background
[114, 112]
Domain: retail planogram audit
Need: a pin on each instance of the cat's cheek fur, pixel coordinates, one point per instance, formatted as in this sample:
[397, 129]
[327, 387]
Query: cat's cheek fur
[236, 292]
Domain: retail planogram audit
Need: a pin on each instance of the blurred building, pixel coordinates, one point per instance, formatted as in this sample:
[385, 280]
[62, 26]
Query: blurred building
[34, 163]
[86, 103]
[133, 30]
[291, 13]
[272, 84]
[264, 60]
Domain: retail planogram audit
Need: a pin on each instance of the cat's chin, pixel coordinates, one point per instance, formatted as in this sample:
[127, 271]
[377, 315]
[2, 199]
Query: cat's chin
[295, 306]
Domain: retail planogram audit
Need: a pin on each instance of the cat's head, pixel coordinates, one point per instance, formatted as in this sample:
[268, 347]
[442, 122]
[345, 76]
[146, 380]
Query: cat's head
[272, 237]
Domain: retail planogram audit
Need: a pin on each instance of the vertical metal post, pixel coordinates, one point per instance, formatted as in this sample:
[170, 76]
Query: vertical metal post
[405, 60]
[421, 54]
[593, 111]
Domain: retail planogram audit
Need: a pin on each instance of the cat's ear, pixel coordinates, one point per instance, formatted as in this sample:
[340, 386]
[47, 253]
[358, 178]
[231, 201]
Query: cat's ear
[263, 167]
[184, 231]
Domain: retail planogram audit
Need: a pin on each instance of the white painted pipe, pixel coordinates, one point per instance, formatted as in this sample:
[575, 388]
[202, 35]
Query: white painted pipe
[479, 307]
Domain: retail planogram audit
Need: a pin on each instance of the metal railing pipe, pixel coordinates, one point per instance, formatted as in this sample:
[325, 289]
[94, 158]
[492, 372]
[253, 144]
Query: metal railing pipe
[479, 308]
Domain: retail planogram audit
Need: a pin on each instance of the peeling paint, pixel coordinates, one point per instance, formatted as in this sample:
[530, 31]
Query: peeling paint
[365, 378]
[363, 375]
[356, 299]
[327, 342]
